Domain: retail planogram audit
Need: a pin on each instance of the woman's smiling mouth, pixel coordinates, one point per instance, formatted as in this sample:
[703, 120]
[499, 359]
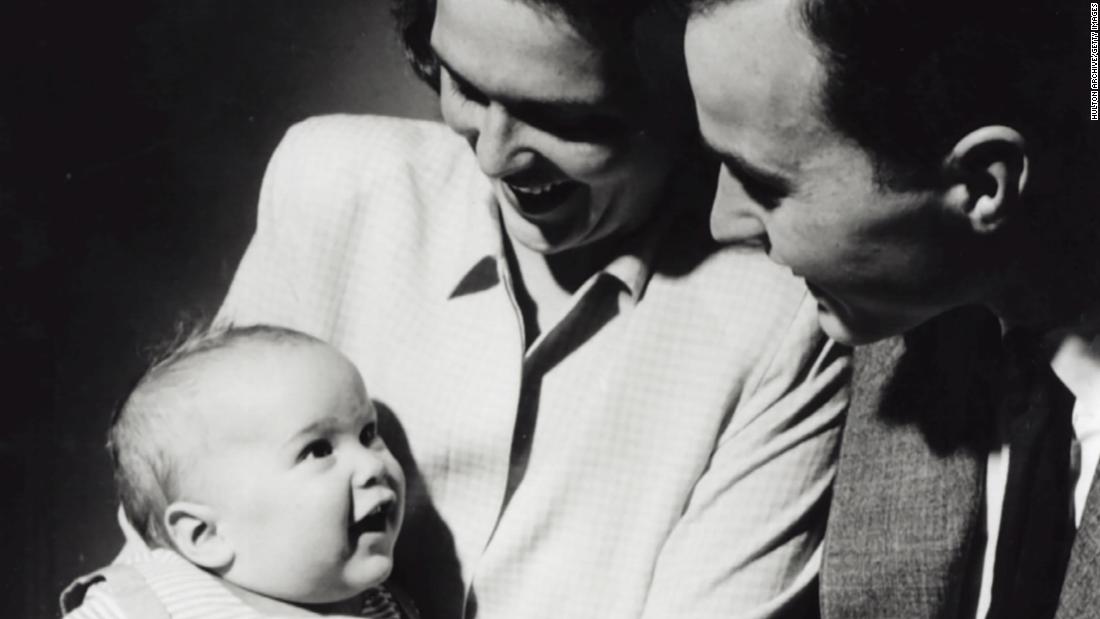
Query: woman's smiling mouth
[540, 199]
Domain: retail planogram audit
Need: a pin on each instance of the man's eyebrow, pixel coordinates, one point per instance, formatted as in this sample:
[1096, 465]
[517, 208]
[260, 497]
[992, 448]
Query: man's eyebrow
[564, 106]
[740, 165]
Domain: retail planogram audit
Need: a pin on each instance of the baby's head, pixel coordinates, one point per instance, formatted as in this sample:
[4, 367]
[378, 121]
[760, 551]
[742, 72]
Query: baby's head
[254, 453]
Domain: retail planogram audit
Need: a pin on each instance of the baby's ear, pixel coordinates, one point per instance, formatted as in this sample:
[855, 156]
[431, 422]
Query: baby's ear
[194, 531]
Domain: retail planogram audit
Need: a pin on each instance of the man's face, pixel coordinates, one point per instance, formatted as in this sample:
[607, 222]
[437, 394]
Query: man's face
[879, 261]
[535, 102]
[304, 489]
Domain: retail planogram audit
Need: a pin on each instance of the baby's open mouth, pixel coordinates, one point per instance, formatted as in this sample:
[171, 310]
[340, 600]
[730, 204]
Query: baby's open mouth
[376, 520]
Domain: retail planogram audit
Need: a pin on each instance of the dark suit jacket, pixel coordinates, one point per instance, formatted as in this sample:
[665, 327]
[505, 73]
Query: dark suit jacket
[907, 507]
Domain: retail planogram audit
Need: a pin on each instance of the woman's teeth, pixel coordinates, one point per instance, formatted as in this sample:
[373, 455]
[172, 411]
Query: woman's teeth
[536, 189]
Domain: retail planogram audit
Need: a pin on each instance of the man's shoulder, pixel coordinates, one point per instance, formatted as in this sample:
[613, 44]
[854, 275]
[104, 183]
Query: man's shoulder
[907, 493]
[919, 410]
[913, 379]
[873, 368]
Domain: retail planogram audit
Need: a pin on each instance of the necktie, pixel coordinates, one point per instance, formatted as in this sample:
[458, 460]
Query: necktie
[1037, 526]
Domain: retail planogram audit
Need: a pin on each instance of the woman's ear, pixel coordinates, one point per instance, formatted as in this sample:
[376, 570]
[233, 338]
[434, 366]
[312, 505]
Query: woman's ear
[989, 169]
[194, 531]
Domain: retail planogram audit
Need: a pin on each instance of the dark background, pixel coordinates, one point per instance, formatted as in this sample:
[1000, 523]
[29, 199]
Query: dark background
[133, 138]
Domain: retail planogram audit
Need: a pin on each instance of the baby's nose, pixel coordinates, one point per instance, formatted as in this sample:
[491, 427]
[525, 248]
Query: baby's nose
[369, 470]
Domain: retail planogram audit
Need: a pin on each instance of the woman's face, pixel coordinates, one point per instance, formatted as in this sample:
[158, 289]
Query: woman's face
[555, 133]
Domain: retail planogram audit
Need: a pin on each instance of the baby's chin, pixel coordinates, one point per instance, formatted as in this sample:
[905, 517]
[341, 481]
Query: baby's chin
[340, 594]
[348, 606]
[359, 575]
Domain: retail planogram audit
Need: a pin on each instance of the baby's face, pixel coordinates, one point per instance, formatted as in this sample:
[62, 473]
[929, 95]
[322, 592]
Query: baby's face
[303, 488]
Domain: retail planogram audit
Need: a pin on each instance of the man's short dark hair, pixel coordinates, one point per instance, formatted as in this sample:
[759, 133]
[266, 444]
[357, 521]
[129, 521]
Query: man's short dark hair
[906, 79]
[148, 438]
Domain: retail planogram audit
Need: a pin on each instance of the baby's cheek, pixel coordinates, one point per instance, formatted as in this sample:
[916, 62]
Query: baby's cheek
[277, 506]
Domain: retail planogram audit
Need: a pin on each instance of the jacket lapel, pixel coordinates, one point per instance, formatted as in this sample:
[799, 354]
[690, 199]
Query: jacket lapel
[1081, 591]
[909, 487]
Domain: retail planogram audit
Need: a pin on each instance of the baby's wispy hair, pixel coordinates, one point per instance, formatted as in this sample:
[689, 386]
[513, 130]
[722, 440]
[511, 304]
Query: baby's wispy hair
[149, 436]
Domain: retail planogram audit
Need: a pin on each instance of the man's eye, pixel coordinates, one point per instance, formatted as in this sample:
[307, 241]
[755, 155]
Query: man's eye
[761, 192]
[369, 434]
[315, 450]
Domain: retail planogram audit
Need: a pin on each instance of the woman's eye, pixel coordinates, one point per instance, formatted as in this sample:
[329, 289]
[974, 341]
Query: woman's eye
[369, 434]
[465, 92]
[594, 129]
[316, 450]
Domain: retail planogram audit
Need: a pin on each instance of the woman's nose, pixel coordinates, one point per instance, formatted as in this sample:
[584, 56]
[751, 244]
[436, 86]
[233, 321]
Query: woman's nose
[498, 145]
[493, 134]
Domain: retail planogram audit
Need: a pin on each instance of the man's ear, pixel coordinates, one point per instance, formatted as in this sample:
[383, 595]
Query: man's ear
[989, 168]
[194, 531]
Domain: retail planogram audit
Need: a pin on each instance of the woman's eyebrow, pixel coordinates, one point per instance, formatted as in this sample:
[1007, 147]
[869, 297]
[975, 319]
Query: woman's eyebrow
[463, 83]
[555, 106]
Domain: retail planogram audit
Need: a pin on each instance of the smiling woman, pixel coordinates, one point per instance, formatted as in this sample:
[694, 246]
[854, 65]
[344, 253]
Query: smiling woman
[561, 141]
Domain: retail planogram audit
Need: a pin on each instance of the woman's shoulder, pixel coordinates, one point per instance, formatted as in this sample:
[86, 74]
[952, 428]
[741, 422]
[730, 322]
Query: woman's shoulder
[364, 133]
[364, 143]
[345, 159]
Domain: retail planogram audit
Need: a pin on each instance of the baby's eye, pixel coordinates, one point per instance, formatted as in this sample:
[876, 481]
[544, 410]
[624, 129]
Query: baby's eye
[317, 449]
[368, 434]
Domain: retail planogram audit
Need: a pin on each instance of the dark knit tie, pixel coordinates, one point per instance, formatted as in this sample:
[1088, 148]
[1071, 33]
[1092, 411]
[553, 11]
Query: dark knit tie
[1037, 526]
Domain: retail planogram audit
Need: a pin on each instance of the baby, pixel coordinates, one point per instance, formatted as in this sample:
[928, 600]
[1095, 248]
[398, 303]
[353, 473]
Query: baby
[249, 461]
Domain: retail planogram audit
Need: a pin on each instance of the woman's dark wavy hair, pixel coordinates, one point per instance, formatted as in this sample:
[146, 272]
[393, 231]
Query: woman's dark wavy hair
[642, 38]
[607, 24]
[414, 19]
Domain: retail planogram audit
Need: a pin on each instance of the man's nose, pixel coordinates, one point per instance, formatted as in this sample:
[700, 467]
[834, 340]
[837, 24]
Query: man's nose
[498, 143]
[734, 217]
[736, 227]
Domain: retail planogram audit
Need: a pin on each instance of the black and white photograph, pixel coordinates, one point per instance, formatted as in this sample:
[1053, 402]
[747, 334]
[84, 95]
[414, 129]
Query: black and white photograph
[499, 309]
